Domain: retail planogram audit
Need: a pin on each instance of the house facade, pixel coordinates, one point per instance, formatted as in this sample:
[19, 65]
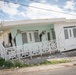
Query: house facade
[32, 37]
[66, 34]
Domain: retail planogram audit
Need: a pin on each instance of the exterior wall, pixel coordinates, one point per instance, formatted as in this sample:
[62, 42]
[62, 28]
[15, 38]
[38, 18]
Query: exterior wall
[40, 28]
[4, 36]
[62, 43]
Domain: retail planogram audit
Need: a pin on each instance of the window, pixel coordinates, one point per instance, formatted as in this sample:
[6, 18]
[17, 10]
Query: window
[48, 36]
[30, 36]
[36, 36]
[24, 38]
[66, 33]
[70, 33]
[53, 33]
[74, 32]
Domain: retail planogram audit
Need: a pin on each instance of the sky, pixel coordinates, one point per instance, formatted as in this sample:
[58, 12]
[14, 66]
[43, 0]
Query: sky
[14, 10]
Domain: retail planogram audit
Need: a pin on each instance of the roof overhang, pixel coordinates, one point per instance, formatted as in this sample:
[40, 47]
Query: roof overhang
[10, 24]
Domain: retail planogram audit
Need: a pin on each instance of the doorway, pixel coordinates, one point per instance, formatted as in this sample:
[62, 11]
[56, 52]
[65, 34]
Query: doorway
[10, 39]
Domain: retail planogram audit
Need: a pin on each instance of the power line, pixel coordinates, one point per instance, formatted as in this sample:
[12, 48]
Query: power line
[37, 2]
[43, 3]
[37, 7]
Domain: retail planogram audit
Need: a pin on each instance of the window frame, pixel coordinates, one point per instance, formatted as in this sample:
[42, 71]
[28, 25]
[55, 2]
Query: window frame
[66, 36]
[74, 33]
[70, 31]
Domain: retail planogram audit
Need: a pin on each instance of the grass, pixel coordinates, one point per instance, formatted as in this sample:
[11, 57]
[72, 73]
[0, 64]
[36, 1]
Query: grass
[49, 63]
[9, 64]
[55, 62]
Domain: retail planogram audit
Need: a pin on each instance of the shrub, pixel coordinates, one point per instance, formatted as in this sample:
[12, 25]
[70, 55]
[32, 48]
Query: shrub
[2, 61]
[8, 64]
[5, 64]
[19, 64]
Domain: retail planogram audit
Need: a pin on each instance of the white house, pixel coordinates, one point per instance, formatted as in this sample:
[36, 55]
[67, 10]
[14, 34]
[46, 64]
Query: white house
[32, 37]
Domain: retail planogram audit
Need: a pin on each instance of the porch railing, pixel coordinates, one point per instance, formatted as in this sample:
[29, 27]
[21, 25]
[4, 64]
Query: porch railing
[29, 50]
[2, 51]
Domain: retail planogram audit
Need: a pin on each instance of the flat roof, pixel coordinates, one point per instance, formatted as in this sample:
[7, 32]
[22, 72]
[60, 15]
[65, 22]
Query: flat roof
[8, 24]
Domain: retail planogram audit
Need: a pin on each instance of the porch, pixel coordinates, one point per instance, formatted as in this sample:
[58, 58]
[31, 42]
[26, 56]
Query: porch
[28, 50]
[27, 40]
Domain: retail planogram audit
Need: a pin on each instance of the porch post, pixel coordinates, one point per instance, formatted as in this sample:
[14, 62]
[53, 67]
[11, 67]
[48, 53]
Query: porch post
[49, 47]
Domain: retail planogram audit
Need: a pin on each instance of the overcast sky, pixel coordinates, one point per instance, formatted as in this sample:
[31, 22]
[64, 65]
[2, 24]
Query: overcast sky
[11, 11]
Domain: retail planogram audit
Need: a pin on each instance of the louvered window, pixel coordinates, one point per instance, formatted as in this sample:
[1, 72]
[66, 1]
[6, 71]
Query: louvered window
[74, 32]
[24, 38]
[66, 33]
[36, 36]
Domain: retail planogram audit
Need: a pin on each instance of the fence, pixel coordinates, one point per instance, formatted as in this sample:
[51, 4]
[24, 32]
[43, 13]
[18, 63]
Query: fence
[28, 50]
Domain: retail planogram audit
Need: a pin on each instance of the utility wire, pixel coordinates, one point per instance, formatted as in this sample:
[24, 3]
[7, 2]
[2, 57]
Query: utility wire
[44, 3]
[37, 1]
[37, 7]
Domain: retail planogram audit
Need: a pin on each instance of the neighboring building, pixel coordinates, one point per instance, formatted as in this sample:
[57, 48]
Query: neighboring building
[32, 32]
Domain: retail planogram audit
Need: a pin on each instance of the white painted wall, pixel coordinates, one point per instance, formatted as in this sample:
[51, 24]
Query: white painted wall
[4, 36]
[62, 43]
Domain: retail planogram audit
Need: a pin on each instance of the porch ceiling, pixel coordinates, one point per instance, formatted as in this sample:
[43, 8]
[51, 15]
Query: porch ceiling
[8, 26]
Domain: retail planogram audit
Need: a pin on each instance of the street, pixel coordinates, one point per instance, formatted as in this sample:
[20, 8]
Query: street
[61, 71]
